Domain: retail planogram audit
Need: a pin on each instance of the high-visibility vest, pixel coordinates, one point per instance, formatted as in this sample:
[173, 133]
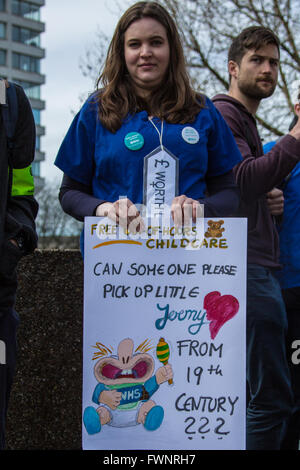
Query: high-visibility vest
[22, 182]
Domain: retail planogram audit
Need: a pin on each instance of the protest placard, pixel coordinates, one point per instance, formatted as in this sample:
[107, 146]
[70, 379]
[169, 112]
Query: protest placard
[164, 337]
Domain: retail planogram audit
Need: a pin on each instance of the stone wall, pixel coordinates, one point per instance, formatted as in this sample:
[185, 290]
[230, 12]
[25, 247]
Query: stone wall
[45, 405]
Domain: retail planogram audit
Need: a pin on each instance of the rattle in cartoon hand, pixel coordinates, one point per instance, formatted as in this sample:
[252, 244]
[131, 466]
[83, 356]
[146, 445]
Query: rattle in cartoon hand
[125, 385]
[163, 354]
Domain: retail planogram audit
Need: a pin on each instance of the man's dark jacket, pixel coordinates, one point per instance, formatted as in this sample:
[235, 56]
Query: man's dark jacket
[17, 213]
[256, 175]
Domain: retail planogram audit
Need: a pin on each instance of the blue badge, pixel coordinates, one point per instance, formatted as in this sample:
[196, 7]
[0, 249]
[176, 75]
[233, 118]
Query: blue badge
[134, 141]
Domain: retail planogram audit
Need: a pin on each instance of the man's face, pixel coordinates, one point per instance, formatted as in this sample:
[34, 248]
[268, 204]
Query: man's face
[258, 72]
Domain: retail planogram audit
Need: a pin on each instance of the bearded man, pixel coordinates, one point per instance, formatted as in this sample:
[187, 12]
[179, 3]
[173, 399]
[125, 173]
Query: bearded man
[253, 63]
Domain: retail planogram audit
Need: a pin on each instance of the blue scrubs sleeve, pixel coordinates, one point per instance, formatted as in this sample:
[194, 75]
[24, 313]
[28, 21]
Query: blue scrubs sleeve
[223, 152]
[151, 385]
[97, 392]
[76, 154]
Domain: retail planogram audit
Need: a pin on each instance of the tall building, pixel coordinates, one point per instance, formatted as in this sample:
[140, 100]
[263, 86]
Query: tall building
[20, 60]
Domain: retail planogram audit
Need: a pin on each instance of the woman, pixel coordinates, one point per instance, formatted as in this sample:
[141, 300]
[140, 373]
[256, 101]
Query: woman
[146, 101]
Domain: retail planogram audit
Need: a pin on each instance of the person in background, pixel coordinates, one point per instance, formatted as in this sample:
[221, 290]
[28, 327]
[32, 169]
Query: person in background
[253, 62]
[18, 210]
[288, 225]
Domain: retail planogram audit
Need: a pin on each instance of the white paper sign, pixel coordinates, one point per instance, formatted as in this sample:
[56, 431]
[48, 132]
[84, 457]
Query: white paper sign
[152, 300]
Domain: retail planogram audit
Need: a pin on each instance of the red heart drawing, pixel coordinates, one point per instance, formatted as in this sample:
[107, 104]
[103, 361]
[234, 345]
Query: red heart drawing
[219, 309]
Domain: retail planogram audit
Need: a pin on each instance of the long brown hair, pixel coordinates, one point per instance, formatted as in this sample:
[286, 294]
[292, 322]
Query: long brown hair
[175, 101]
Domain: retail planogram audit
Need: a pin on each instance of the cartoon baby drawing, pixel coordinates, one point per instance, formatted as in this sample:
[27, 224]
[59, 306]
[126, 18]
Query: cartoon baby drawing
[125, 384]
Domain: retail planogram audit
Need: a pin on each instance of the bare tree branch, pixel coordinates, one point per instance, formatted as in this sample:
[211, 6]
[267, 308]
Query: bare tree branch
[207, 28]
[52, 223]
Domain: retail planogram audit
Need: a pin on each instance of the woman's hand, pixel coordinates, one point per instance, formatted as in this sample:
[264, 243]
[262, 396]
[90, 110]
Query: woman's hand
[124, 213]
[184, 209]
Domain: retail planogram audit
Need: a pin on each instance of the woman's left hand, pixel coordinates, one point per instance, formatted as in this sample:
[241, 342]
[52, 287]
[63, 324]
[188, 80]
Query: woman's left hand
[124, 213]
[184, 209]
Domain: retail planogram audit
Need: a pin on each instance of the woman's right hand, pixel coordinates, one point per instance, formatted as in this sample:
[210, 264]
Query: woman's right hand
[185, 210]
[124, 213]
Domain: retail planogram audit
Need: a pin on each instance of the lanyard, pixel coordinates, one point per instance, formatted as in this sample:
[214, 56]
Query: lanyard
[159, 133]
[160, 176]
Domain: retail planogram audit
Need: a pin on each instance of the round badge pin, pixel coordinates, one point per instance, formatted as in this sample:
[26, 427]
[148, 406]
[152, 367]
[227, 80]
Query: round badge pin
[190, 135]
[134, 141]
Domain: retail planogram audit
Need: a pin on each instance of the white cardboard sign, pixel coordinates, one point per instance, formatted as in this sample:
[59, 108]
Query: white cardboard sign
[164, 339]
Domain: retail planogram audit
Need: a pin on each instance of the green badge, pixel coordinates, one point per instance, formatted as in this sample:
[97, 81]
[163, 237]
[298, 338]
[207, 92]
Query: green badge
[134, 141]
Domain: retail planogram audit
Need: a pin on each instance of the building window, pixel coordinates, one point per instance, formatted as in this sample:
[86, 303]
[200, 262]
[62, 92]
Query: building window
[2, 30]
[2, 5]
[38, 142]
[31, 89]
[26, 36]
[26, 63]
[35, 167]
[2, 57]
[37, 116]
[26, 9]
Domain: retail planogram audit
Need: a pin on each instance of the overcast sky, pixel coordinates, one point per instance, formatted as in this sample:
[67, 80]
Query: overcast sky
[71, 26]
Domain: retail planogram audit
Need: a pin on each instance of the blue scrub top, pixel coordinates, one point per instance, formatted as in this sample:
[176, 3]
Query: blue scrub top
[96, 157]
[289, 232]
[289, 229]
